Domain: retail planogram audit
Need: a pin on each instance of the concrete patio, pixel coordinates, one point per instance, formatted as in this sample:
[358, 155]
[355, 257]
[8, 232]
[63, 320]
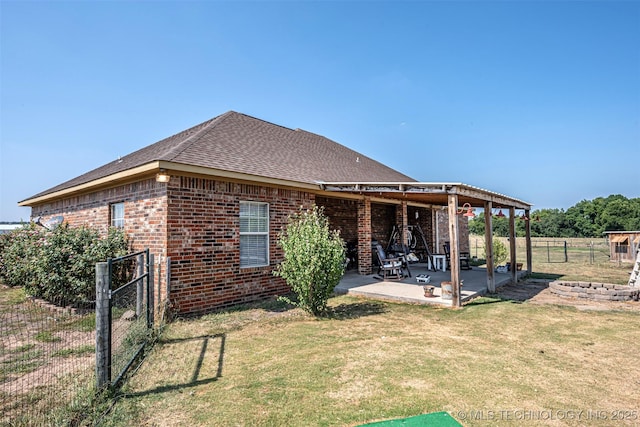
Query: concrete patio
[408, 290]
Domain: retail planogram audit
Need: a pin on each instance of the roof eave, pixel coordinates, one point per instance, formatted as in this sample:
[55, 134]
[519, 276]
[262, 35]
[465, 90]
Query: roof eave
[149, 169]
[425, 188]
[107, 181]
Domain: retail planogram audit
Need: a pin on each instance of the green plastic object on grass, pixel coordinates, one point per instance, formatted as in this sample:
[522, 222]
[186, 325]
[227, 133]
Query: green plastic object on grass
[435, 419]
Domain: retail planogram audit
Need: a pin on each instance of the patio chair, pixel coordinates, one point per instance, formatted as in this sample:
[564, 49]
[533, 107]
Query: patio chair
[464, 257]
[388, 266]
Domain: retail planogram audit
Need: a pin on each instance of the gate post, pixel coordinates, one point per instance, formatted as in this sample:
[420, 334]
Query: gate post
[150, 289]
[139, 284]
[103, 370]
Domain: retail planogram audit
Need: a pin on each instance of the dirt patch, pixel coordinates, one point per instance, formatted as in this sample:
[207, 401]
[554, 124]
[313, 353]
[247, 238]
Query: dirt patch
[537, 292]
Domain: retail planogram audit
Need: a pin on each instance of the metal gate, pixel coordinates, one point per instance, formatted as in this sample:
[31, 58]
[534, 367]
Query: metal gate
[124, 314]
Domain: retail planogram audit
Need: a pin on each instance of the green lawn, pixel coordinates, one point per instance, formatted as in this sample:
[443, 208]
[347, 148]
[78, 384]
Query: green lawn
[492, 362]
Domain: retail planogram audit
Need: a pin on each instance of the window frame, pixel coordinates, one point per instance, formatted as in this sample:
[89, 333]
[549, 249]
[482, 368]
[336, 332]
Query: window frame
[244, 261]
[115, 221]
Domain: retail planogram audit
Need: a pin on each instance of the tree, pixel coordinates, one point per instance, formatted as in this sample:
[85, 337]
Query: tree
[313, 259]
[476, 225]
[587, 218]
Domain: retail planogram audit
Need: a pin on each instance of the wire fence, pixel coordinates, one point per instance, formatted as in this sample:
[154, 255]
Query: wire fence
[48, 361]
[574, 250]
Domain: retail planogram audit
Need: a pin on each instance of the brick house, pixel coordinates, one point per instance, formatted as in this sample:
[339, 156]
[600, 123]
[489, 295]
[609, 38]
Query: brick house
[213, 198]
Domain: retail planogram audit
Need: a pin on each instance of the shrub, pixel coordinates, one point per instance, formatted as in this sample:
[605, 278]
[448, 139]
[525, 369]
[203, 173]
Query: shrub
[313, 259]
[57, 265]
[18, 252]
[499, 252]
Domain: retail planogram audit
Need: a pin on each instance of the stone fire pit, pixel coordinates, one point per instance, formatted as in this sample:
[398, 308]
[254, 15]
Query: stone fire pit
[595, 291]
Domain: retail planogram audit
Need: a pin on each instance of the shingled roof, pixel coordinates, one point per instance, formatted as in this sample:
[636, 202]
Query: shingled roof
[243, 144]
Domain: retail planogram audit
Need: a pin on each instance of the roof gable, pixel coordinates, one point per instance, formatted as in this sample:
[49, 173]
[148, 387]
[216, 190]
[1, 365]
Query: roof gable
[243, 144]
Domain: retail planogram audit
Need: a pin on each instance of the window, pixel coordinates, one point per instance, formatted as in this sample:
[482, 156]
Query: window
[621, 243]
[622, 248]
[117, 215]
[254, 234]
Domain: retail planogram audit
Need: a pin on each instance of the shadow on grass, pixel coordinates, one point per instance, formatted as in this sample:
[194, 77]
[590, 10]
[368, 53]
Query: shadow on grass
[356, 310]
[343, 311]
[519, 292]
[489, 299]
[195, 377]
[545, 276]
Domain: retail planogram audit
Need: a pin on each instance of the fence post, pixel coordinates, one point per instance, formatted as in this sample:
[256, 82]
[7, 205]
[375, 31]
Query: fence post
[566, 255]
[150, 286]
[139, 284]
[168, 278]
[103, 374]
[548, 255]
[158, 291]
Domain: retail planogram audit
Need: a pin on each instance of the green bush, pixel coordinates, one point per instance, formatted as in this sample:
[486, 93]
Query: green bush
[18, 253]
[499, 252]
[313, 259]
[57, 265]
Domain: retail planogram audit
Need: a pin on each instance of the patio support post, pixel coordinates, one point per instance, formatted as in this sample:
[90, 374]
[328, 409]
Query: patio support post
[364, 236]
[402, 221]
[454, 248]
[488, 246]
[512, 244]
[527, 227]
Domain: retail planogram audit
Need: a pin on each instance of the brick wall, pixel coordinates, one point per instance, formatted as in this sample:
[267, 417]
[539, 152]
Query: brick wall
[424, 219]
[364, 236]
[442, 222]
[204, 241]
[383, 218]
[195, 222]
[144, 211]
[342, 215]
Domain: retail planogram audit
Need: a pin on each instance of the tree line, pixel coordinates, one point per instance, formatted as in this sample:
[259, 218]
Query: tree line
[588, 218]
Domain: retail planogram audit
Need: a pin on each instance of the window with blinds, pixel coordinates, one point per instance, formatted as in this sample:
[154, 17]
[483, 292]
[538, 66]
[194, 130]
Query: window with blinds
[254, 234]
[117, 215]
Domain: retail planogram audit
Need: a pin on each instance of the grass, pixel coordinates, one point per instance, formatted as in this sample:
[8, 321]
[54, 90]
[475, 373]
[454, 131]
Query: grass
[86, 323]
[13, 296]
[47, 336]
[78, 351]
[22, 361]
[583, 263]
[263, 366]
[45, 359]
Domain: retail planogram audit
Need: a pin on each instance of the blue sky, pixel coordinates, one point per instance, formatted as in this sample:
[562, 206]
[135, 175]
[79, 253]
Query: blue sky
[536, 100]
